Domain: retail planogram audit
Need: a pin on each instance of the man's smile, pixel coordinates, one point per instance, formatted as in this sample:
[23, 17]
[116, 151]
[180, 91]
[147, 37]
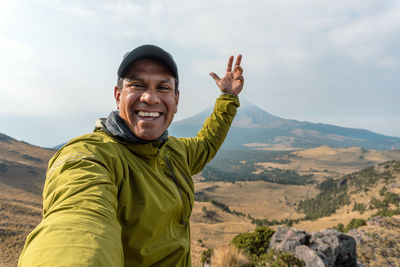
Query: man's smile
[145, 115]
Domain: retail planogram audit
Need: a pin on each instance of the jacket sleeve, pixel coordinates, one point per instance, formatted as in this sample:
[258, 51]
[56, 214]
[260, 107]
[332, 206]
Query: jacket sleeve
[203, 147]
[79, 225]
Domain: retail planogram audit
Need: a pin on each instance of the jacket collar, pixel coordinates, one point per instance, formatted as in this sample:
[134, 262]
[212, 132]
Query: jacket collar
[115, 126]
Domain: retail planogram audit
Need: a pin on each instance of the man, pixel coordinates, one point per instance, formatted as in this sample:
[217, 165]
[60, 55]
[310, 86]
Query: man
[123, 194]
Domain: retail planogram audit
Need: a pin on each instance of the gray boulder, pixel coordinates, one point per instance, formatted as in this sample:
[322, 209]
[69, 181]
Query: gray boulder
[287, 239]
[309, 256]
[334, 248]
[325, 248]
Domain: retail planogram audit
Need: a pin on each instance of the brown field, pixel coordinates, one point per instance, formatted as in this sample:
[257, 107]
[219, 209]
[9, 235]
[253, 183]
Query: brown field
[324, 162]
[20, 212]
[260, 199]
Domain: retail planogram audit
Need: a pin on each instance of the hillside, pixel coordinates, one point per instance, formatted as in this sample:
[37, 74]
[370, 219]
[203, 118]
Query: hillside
[22, 172]
[22, 165]
[372, 191]
[254, 128]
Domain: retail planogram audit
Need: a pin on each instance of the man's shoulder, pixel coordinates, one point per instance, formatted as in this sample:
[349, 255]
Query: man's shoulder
[94, 137]
[90, 143]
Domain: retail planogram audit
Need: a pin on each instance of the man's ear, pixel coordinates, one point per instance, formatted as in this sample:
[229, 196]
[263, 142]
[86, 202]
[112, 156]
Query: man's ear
[117, 95]
[176, 101]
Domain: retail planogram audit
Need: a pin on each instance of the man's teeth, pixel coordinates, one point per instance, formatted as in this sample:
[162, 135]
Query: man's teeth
[149, 114]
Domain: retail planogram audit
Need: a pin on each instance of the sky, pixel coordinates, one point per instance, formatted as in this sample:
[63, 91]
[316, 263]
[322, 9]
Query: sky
[335, 62]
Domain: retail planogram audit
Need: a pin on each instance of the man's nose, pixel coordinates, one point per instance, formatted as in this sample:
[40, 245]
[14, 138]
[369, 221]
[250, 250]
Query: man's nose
[150, 97]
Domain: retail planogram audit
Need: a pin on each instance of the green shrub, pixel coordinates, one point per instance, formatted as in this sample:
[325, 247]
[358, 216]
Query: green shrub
[382, 191]
[277, 258]
[391, 198]
[255, 243]
[255, 246]
[206, 256]
[387, 212]
[339, 227]
[354, 223]
[359, 207]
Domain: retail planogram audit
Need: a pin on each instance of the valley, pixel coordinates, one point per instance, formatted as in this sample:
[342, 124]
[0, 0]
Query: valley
[274, 201]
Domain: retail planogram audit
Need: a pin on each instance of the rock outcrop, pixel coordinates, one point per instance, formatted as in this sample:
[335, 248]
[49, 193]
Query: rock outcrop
[328, 247]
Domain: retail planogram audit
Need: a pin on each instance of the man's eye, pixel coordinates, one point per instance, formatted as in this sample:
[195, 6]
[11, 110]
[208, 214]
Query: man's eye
[164, 88]
[136, 85]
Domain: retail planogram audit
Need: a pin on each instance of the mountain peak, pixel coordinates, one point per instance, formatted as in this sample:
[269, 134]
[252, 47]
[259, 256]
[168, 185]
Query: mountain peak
[250, 115]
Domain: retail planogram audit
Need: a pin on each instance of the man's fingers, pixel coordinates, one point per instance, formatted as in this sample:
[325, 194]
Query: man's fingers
[238, 70]
[229, 67]
[215, 76]
[238, 60]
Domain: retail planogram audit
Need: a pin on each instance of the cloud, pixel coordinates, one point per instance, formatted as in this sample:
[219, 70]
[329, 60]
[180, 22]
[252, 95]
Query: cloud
[370, 37]
[14, 49]
[75, 11]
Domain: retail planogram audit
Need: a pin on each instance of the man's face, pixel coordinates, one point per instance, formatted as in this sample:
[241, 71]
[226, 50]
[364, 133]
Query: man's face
[147, 101]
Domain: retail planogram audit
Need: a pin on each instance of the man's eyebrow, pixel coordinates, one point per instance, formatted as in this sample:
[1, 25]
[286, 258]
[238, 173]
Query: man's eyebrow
[166, 80]
[134, 78]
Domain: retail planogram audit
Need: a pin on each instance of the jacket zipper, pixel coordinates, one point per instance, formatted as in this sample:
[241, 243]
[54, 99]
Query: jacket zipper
[184, 222]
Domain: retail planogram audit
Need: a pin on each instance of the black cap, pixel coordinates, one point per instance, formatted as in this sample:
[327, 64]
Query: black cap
[148, 51]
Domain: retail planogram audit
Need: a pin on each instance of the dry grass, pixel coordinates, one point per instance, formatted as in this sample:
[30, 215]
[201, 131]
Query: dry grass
[379, 242]
[20, 212]
[214, 235]
[229, 257]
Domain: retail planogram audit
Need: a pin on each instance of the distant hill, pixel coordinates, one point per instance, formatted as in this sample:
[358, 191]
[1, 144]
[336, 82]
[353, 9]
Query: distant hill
[58, 146]
[23, 165]
[254, 128]
[22, 174]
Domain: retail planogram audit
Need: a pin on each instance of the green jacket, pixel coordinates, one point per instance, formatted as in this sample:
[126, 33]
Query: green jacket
[106, 203]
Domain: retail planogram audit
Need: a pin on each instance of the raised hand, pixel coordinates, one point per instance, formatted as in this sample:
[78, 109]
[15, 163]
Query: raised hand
[232, 82]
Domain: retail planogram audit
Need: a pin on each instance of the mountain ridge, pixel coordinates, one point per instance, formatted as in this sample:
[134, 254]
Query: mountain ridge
[255, 128]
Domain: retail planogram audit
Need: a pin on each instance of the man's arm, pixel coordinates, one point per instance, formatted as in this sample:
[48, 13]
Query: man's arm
[209, 139]
[79, 226]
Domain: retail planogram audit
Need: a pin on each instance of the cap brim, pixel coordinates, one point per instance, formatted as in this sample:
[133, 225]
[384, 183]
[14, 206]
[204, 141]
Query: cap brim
[148, 51]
